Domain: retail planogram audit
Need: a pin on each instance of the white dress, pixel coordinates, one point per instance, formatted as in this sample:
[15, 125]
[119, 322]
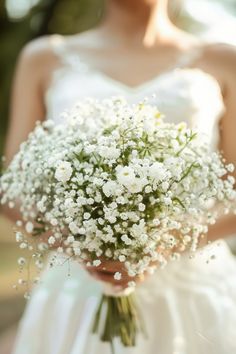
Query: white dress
[190, 306]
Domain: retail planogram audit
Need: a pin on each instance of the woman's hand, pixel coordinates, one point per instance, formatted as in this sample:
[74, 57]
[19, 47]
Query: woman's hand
[106, 270]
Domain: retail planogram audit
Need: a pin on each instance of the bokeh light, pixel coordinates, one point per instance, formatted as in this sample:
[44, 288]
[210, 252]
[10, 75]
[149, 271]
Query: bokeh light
[20, 8]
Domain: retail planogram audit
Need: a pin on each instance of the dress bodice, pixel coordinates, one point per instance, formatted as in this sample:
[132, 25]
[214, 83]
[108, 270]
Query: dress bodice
[181, 94]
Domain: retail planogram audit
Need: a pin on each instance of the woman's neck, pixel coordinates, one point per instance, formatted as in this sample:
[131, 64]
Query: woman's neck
[138, 21]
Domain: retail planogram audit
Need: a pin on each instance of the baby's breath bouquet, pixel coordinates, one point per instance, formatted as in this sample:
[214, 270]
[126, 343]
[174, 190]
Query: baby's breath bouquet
[116, 182]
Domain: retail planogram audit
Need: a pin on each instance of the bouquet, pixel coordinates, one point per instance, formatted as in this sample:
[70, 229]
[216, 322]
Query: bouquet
[116, 182]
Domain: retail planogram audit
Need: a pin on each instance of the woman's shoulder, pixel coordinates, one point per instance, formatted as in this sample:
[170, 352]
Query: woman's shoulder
[37, 50]
[46, 48]
[40, 57]
[222, 55]
[36, 61]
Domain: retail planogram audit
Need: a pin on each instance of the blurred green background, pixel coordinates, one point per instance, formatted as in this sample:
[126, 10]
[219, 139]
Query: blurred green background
[24, 20]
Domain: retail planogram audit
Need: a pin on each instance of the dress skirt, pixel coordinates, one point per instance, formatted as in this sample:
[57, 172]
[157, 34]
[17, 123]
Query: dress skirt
[189, 307]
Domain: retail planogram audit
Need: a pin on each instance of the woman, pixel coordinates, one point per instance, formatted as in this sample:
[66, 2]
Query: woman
[190, 306]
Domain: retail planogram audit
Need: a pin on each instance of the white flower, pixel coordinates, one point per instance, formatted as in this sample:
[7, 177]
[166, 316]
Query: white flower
[39, 264]
[120, 200]
[81, 230]
[122, 258]
[73, 228]
[81, 201]
[108, 253]
[51, 240]
[70, 239]
[148, 189]
[110, 214]
[77, 251]
[135, 186]
[131, 273]
[89, 149]
[126, 240]
[167, 201]
[125, 175]
[96, 263]
[109, 188]
[19, 236]
[23, 245]
[29, 227]
[165, 185]
[87, 216]
[144, 238]
[42, 246]
[11, 205]
[124, 216]
[141, 206]
[98, 198]
[109, 152]
[131, 284]
[156, 222]
[101, 221]
[19, 223]
[63, 171]
[21, 261]
[117, 276]
[187, 239]
[54, 221]
[113, 205]
[138, 229]
[157, 171]
[90, 201]
[230, 167]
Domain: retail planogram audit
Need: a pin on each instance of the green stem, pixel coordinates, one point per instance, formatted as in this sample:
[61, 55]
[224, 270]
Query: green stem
[122, 320]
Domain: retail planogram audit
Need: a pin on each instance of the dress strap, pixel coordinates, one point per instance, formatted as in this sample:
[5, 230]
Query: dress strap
[57, 44]
[191, 56]
[66, 55]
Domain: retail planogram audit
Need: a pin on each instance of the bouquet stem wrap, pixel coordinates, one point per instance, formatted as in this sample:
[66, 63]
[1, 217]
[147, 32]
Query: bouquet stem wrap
[118, 316]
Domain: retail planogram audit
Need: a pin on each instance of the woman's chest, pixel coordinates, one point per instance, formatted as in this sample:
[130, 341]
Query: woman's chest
[188, 95]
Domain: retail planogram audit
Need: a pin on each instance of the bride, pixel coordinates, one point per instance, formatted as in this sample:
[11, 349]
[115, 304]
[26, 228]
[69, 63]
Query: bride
[190, 306]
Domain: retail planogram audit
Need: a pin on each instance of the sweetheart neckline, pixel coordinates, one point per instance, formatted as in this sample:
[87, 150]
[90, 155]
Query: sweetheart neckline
[78, 62]
[138, 87]
[58, 73]
[152, 81]
[74, 61]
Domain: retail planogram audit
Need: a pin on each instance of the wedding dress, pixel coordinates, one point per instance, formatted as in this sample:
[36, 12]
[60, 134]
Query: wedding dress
[189, 307]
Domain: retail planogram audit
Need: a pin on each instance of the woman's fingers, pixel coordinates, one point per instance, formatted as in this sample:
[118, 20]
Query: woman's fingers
[109, 266]
[108, 276]
[105, 271]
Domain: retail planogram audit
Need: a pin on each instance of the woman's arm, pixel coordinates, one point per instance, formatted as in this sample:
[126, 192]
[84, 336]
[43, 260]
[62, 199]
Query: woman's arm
[225, 57]
[27, 102]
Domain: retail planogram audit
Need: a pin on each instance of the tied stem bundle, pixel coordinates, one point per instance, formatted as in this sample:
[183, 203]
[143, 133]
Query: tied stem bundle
[118, 317]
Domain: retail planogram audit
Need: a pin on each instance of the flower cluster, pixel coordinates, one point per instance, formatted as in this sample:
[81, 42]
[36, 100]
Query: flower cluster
[116, 181]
